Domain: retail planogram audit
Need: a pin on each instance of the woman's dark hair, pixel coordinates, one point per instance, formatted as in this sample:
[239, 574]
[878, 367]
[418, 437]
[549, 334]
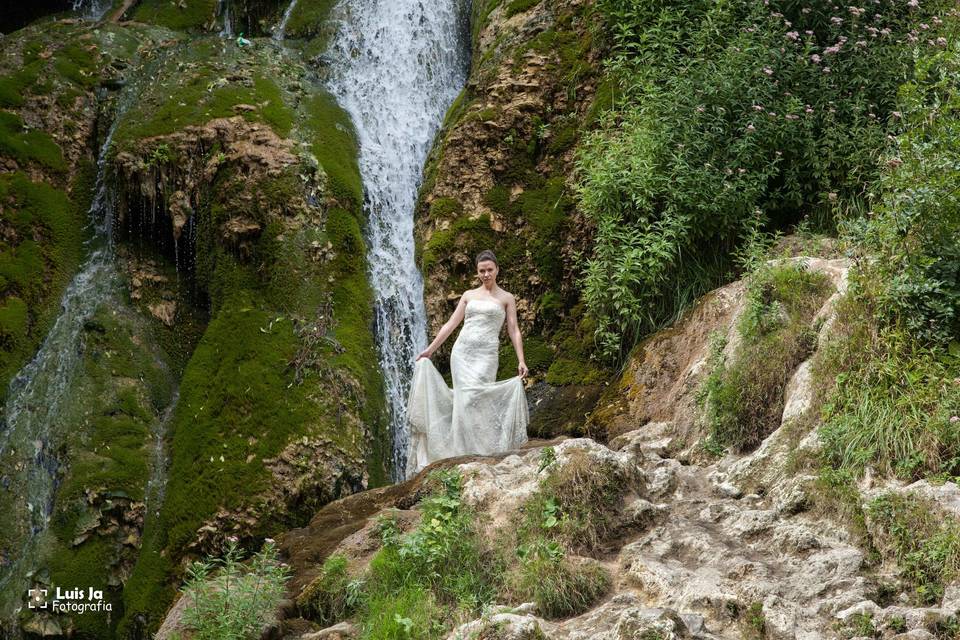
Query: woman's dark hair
[486, 254]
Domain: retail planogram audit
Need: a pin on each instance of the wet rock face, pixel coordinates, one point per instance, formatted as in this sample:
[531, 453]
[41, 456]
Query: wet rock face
[498, 178]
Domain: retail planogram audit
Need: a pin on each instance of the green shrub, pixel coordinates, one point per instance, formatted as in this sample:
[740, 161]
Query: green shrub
[732, 115]
[233, 600]
[924, 543]
[894, 359]
[420, 584]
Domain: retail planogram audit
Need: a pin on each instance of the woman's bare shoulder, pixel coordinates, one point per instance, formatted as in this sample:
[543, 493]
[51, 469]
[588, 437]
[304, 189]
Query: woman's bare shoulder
[468, 295]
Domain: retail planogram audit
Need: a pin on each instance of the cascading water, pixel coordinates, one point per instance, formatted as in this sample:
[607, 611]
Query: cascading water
[224, 11]
[37, 395]
[396, 67]
[281, 31]
[91, 9]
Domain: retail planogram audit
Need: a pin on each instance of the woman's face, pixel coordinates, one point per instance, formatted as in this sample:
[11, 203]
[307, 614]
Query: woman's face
[487, 271]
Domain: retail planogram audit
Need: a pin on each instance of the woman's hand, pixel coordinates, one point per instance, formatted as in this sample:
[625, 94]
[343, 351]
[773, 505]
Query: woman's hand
[522, 369]
[426, 353]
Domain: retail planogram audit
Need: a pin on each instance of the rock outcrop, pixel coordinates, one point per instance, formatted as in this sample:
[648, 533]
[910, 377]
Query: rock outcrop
[701, 546]
[499, 178]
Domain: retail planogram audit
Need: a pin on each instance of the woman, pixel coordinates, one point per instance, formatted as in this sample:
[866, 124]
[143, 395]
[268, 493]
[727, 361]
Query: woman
[479, 415]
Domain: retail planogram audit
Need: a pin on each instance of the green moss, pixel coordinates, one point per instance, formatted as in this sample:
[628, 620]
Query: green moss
[234, 389]
[334, 144]
[35, 273]
[445, 209]
[536, 351]
[14, 86]
[28, 146]
[77, 63]
[13, 320]
[309, 20]
[566, 371]
[470, 236]
[519, 6]
[192, 15]
[83, 567]
[208, 88]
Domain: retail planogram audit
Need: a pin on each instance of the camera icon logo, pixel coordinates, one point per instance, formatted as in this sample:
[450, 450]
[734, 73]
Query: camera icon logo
[37, 598]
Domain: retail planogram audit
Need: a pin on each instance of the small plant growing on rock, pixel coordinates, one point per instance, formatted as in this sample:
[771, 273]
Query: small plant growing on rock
[333, 595]
[897, 624]
[548, 455]
[230, 600]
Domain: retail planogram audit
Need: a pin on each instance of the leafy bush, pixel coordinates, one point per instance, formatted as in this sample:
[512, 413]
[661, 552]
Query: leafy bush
[421, 584]
[914, 227]
[925, 545]
[733, 115]
[896, 402]
[229, 600]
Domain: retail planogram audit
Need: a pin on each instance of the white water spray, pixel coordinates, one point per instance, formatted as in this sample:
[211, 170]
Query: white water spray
[396, 66]
[281, 31]
[224, 11]
[91, 9]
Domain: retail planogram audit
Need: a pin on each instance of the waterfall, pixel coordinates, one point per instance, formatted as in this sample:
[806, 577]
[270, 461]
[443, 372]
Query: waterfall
[31, 417]
[224, 12]
[281, 31]
[396, 67]
[91, 9]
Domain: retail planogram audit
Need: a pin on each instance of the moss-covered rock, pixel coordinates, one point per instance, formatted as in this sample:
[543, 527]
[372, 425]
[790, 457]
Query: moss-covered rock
[497, 179]
[245, 176]
[250, 17]
[48, 122]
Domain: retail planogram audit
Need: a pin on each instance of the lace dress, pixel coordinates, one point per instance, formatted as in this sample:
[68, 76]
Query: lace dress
[479, 415]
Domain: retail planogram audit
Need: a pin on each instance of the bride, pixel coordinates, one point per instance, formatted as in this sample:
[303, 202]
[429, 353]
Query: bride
[479, 415]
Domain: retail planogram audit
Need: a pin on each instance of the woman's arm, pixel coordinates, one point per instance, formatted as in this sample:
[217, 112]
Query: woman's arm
[513, 329]
[455, 319]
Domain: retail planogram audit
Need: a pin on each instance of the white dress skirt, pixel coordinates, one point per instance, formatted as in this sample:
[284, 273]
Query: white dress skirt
[480, 415]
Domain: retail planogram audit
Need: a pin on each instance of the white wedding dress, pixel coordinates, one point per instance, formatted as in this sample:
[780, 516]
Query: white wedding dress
[479, 415]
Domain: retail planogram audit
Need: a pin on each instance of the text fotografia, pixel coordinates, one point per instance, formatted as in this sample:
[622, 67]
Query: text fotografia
[76, 600]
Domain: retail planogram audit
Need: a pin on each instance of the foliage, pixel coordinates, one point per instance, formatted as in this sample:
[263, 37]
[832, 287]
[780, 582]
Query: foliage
[235, 601]
[924, 543]
[333, 595]
[744, 400]
[420, 584]
[896, 401]
[732, 114]
[577, 501]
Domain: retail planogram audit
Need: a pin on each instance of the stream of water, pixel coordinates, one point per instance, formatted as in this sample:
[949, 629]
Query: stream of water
[31, 420]
[91, 9]
[396, 66]
[281, 31]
